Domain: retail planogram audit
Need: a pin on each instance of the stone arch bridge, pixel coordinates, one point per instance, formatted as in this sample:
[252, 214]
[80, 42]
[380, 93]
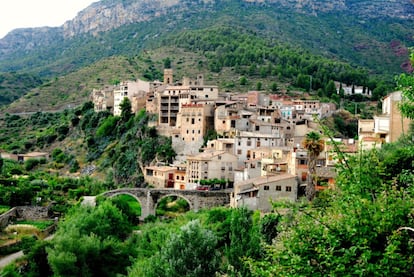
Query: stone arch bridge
[149, 198]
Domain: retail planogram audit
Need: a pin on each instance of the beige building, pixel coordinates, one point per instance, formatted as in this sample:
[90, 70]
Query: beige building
[384, 128]
[211, 165]
[135, 91]
[391, 124]
[24, 157]
[194, 120]
[103, 100]
[225, 118]
[258, 193]
[180, 177]
[160, 176]
[223, 144]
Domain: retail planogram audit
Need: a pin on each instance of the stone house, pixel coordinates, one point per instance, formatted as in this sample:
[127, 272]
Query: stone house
[223, 144]
[103, 99]
[135, 91]
[24, 157]
[225, 116]
[211, 165]
[180, 177]
[390, 125]
[160, 176]
[245, 142]
[194, 121]
[258, 193]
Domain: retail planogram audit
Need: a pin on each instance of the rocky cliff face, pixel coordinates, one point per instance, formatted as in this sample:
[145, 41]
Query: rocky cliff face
[27, 39]
[106, 15]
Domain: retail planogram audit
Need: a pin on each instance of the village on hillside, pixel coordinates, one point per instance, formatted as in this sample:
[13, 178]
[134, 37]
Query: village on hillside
[257, 151]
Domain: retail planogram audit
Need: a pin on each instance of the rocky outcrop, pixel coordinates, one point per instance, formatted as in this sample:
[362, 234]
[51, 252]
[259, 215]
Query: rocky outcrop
[27, 39]
[107, 15]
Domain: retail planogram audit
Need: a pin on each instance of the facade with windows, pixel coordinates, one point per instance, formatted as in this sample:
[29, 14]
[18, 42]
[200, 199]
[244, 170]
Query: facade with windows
[258, 193]
[194, 121]
[211, 165]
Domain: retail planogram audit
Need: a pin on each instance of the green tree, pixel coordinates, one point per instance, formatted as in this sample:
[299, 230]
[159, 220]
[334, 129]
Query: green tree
[126, 109]
[88, 242]
[364, 228]
[191, 252]
[167, 63]
[330, 89]
[405, 84]
[314, 145]
[244, 241]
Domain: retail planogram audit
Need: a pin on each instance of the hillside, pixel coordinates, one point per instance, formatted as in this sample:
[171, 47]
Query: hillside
[114, 40]
[347, 30]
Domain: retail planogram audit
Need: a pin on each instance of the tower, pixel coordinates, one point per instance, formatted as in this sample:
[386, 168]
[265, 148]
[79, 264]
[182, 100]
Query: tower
[168, 76]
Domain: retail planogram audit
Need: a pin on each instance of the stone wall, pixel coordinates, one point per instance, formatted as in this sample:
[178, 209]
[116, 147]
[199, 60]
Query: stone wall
[32, 212]
[24, 213]
[6, 217]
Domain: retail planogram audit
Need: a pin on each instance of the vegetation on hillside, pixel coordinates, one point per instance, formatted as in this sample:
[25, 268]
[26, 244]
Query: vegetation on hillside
[266, 46]
[349, 230]
[14, 85]
[117, 146]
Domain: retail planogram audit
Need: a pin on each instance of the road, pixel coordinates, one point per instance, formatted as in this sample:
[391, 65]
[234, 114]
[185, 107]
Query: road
[12, 257]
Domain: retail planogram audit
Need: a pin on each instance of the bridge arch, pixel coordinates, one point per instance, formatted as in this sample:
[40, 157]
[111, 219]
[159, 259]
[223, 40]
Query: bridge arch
[158, 201]
[125, 193]
[149, 198]
[140, 201]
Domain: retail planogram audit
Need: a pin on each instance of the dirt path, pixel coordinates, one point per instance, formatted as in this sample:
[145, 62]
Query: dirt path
[10, 258]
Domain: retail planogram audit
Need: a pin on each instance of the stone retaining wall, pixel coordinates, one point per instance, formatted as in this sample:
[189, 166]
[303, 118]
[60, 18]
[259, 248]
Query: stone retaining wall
[24, 213]
[6, 217]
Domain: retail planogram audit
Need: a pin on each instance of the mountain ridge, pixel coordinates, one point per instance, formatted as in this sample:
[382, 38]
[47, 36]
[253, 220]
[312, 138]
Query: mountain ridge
[107, 15]
[374, 35]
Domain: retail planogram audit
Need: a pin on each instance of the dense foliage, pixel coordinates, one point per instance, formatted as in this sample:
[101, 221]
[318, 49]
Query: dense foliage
[359, 228]
[362, 227]
[82, 138]
[13, 85]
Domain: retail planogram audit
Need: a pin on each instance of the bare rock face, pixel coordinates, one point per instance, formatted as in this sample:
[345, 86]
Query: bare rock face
[27, 39]
[107, 15]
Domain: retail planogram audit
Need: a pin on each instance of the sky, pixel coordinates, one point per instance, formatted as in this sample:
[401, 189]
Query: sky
[38, 13]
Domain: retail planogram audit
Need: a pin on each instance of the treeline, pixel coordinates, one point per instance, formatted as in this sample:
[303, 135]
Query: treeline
[254, 56]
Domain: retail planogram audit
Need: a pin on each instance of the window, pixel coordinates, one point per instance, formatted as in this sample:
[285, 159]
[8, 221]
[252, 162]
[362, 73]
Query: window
[192, 121]
[278, 188]
[288, 188]
[266, 187]
[239, 152]
[304, 176]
